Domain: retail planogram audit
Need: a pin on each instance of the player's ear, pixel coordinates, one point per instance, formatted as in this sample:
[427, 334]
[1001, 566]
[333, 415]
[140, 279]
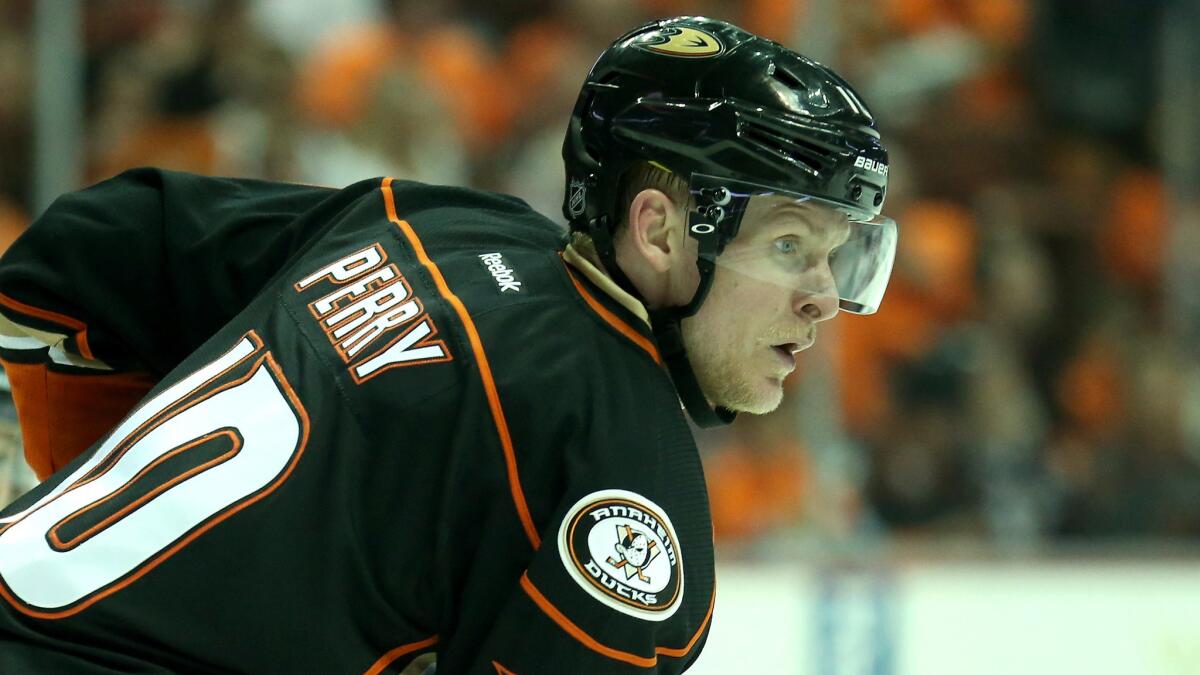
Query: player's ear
[654, 228]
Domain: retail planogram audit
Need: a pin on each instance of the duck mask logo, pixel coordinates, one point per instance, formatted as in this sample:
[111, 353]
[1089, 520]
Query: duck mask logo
[622, 549]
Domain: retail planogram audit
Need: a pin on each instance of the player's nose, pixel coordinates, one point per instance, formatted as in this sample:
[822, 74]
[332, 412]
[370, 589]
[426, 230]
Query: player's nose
[816, 306]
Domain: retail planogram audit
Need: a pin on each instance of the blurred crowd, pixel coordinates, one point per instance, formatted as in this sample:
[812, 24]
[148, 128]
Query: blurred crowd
[1026, 379]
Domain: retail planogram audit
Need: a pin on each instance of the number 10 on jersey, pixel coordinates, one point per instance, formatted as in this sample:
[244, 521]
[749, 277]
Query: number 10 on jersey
[195, 454]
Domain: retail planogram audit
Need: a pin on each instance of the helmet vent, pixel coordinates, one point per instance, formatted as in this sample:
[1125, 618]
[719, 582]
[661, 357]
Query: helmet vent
[786, 77]
[813, 99]
[795, 150]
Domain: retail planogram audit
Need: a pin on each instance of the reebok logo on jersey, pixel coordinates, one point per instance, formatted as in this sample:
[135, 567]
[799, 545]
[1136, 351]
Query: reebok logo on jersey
[368, 303]
[501, 272]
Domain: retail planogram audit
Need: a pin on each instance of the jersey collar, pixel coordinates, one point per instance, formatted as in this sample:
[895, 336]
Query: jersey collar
[602, 281]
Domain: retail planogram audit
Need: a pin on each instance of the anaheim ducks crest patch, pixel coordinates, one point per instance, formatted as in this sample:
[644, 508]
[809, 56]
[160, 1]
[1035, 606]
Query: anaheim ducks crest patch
[622, 549]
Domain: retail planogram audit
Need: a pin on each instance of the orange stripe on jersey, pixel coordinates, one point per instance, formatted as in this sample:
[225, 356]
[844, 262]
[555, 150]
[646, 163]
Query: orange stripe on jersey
[80, 328]
[63, 414]
[501, 670]
[616, 321]
[57, 543]
[387, 659]
[481, 360]
[602, 649]
[682, 651]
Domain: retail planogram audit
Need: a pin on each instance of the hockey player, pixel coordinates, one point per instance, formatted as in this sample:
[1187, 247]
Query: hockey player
[395, 425]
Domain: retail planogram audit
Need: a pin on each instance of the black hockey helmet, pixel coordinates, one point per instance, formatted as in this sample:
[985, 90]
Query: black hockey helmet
[735, 115]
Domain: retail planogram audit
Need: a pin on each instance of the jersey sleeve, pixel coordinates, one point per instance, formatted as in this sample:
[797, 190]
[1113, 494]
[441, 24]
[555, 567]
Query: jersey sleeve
[610, 591]
[115, 284]
[582, 540]
[622, 578]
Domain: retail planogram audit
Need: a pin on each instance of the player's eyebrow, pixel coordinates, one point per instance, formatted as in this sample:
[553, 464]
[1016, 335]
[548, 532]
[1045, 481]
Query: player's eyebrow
[816, 218]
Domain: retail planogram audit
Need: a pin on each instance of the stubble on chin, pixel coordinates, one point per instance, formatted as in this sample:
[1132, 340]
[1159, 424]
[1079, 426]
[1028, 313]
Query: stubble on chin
[721, 379]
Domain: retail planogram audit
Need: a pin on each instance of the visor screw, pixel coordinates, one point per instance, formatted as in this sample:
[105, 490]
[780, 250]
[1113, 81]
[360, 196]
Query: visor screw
[878, 198]
[856, 192]
[714, 213]
[718, 196]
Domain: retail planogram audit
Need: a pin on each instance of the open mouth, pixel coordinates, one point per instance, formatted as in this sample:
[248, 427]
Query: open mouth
[787, 354]
[788, 349]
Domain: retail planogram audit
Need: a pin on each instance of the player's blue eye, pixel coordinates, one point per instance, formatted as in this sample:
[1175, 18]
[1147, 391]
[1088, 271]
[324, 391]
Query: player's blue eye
[787, 245]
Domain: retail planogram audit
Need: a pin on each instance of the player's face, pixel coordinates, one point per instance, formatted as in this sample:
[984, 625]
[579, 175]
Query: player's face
[771, 287]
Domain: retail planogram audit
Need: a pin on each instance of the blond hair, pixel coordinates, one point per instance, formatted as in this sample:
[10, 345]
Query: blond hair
[651, 176]
[642, 175]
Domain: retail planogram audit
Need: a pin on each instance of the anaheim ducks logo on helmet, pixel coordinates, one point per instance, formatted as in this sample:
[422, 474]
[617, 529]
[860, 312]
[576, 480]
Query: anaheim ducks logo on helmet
[680, 41]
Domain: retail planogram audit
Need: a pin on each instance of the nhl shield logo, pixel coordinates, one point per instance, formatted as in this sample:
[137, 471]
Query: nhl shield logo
[578, 192]
[622, 549]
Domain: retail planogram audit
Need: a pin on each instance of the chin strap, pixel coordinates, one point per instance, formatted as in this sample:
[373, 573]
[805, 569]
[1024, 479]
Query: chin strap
[670, 345]
[602, 239]
[665, 322]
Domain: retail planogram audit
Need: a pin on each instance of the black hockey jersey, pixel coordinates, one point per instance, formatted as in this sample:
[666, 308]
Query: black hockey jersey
[388, 424]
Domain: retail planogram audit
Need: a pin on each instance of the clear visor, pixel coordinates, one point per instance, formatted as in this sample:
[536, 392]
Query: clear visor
[802, 243]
